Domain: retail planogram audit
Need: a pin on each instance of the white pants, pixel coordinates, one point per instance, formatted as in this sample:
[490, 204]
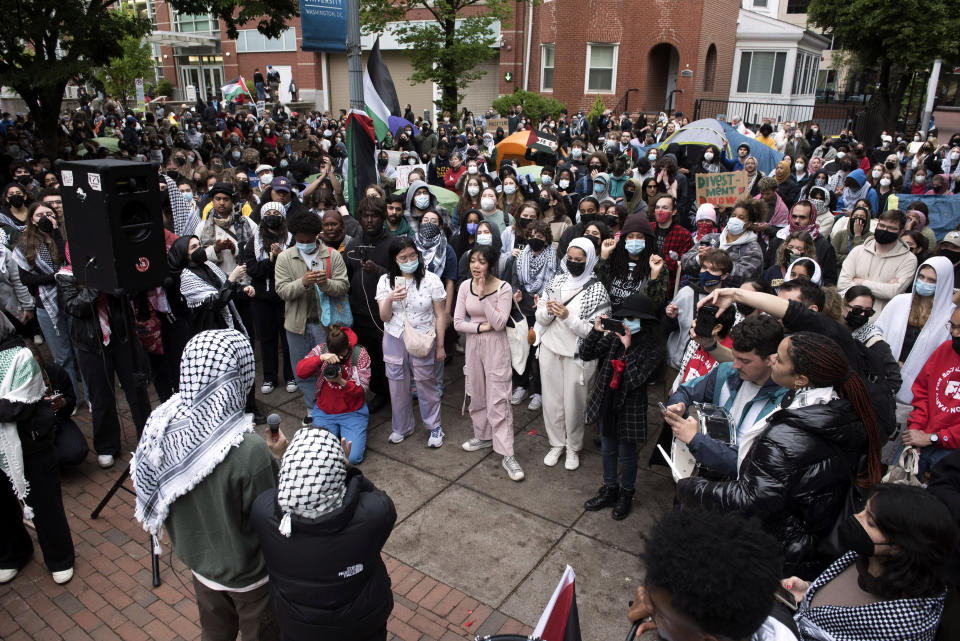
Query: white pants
[565, 383]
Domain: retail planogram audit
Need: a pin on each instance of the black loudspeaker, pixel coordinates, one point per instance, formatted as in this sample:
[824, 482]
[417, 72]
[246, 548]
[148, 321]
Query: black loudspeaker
[111, 209]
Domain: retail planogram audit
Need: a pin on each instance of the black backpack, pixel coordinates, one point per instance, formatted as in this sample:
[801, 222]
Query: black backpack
[871, 369]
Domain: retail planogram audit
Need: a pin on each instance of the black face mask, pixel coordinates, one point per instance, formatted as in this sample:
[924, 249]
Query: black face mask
[885, 236]
[955, 343]
[24, 179]
[198, 256]
[576, 269]
[611, 221]
[537, 245]
[790, 256]
[15, 200]
[273, 222]
[856, 319]
[595, 241]
[544, 203]
[949, 254]
[852, 536]
[586, 219]
[745, 310]
[523, 222]
[45, 225]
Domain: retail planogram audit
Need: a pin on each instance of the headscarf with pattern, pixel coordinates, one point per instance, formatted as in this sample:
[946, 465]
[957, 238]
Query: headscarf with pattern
[312, 477]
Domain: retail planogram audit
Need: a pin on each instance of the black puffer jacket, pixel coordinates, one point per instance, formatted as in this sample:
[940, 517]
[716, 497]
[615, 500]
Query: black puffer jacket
[327, 580]
[795, 479]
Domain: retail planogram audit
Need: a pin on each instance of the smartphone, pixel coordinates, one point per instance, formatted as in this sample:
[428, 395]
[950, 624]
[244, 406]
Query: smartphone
[786, 597]
[706, 319]
[613, 325]
[663, 408]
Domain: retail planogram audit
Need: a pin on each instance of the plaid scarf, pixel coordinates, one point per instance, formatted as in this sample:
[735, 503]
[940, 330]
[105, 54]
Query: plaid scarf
[312, 477]
[192, 432]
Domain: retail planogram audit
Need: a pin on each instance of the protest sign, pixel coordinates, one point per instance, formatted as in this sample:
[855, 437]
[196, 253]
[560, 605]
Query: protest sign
[403, 174]
[493, 123]
[721, 190]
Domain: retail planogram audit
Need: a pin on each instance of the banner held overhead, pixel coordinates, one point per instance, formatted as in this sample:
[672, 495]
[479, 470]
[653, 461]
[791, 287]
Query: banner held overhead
[324, 25]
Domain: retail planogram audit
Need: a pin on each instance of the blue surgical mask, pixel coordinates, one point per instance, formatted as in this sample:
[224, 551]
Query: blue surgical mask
[188, 195]
[708, 280]
[307, 248]
[546, 179]
[598, 188]
[485, 239]
[472, 228]
[409, 268]
[735, 226]
[633, 325]
[921, 288]
[635, 246]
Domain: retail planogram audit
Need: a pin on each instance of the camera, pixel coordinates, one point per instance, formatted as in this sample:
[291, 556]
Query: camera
[331, 371]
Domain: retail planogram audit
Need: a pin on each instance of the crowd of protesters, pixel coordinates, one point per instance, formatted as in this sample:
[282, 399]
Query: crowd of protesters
[814, 317]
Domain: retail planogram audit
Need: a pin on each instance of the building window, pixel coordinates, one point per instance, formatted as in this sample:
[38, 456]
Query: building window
[797, 6]
[759, 4]
[710, 68]
[805, 73]
[601, 68]
[202, 23]
[252, 41]
[761, 72]
[546, 67]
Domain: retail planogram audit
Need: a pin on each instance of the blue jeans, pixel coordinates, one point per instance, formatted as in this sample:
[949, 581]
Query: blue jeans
[300, 345]
[929, 457]
[610, 450]
[349, 425]
[58, 338]
[261, 91]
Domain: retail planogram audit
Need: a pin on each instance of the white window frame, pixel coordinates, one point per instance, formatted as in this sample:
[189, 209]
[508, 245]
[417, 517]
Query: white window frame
[210, 19]
[543, 57]
[784, 87]
[613, 79]
[244, 35]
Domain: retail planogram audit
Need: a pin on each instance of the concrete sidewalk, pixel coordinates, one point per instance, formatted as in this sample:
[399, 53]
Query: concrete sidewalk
[472, 552]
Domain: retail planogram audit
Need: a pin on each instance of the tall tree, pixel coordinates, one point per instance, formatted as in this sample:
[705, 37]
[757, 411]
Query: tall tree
[119, 75]
[445, 49]
[894, 42]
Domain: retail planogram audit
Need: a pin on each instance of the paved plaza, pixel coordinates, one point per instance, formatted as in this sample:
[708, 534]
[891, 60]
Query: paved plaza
[472, 552]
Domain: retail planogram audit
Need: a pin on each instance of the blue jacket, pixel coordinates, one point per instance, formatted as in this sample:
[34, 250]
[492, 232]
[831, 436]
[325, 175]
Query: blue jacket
[871, 197]
[720, 386]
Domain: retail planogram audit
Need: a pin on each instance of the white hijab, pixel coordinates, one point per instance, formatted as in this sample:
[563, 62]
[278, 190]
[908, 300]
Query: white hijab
[817, 277]
[576, 282]
[893, 323]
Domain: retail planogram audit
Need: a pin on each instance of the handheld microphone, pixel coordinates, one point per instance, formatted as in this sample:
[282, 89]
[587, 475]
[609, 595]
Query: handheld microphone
[273, 423]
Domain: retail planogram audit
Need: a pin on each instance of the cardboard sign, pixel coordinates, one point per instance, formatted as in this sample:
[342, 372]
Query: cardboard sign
[403, 174]
[721, 190]
[493, 123]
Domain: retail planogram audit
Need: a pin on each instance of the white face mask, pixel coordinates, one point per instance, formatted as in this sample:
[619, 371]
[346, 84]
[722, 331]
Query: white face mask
[485, 239]
[487, 204]
[266, 179]
[876, 173]
[576, 153]
[884, 182]
[708, 156]
[509, 189]
[955, 155]
[841, 154]
[563, 183]
[919, 179]
[473, 190]
[471, 169]
[421, 201]
[799, 167]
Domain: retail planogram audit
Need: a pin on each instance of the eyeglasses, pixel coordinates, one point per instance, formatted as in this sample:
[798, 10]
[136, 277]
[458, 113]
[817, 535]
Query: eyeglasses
[952, 328]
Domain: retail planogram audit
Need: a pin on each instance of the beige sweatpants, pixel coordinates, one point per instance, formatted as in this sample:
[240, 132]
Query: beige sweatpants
[565, 383]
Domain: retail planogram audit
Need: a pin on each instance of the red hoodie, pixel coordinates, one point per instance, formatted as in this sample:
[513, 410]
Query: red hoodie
[936, 397]
[333, 398]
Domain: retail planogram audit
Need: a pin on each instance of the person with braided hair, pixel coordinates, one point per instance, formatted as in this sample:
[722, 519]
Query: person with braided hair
[796, 465]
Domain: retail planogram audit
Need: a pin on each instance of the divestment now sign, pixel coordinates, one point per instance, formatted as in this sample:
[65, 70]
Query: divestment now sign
[324, 25]
[721, 190]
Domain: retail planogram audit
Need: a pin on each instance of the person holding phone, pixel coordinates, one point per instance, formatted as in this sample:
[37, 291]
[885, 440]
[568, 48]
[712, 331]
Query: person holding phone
[629, 349]
[857, 232]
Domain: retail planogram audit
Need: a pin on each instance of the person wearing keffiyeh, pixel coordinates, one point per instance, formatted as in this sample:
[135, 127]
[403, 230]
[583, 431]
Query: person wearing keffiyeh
[321, 532]
[197, 470]
[30, 483]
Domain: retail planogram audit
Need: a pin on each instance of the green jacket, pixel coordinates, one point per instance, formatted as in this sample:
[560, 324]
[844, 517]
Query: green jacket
[288, 275]
[210, 527]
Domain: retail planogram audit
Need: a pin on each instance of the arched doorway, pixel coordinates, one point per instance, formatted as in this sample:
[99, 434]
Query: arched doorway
[663, 65]
[710, 69]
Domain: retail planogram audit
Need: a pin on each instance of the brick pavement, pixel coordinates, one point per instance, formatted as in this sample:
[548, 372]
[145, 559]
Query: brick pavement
[111, 597]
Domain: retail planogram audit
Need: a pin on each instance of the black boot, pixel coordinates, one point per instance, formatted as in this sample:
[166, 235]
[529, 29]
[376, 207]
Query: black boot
[606, 496]
[623, 504]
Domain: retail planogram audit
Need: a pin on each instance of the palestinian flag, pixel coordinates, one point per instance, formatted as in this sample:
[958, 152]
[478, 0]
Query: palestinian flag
[379, 95]
[560, 621]
[361, 157]
[236, 91]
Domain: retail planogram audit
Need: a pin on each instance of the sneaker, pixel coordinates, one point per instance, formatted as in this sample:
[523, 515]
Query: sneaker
[573, 460]
[292, 387]
[475, 444]
[553, 456]
[514, 471]
[106, 460]
[63, 576]
[518, 395]
[397, 437]
[436, 437]
[6, 576]
[307, 421]
[536, 403]
[266, 388]
[37, 339]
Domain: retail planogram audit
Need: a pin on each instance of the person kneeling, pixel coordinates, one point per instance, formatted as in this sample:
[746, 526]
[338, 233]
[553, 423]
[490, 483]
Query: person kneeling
[345, 377]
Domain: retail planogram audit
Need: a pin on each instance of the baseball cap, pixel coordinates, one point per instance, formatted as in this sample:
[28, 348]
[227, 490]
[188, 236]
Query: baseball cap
[262, 168]
[952, 237]
[280, 183]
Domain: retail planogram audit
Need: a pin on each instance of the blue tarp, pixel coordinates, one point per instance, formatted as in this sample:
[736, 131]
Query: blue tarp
[767, 158]
[944, 211]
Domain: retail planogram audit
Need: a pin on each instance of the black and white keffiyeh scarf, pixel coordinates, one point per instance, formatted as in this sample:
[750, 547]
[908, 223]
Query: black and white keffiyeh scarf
[235, 225]
[432, 245]
[313, 477]
[185, 217]
[198, 283]
[48, 293]
[192, 432]
[261, 251]
[533, 269]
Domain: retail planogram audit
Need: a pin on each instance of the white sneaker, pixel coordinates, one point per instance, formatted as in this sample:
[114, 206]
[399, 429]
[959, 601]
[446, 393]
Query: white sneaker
[106, 460]
[62, 576]
[397, 437]
[6, 576]
[266, 388]
[518, 395]
[573, 460]
[292, 387]
[436, 438]
[37, 339]
[553, 456]
[475, 444]
[536, 403]
[514, 471]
